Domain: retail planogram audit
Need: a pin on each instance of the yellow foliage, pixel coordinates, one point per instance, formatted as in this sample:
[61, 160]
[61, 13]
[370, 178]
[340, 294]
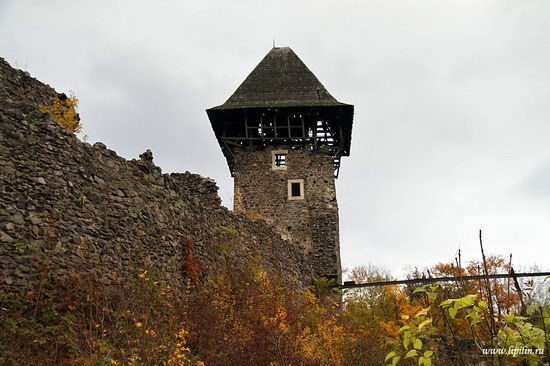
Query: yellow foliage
[182, 354]
[324, 345]
[63, 112]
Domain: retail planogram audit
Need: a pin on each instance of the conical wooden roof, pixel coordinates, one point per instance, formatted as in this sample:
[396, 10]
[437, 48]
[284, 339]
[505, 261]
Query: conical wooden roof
[281, 79]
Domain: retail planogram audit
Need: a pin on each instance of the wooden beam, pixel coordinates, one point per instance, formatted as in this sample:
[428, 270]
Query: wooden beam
[351, 284]
[228, 142]
[288, 124]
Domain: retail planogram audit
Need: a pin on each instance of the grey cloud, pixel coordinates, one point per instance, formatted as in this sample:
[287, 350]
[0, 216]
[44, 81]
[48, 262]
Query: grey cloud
[537, 184]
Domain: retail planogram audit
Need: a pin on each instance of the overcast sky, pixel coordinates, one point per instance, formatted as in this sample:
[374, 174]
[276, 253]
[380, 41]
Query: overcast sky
[452, 104]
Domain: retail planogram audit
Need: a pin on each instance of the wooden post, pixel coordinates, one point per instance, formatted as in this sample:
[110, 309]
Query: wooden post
[489, 292]
[288, 124]
[518, 289]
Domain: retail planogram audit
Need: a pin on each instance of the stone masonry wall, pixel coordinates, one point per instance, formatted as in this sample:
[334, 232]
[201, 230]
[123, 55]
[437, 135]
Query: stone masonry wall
[96, 212]
[261, 192]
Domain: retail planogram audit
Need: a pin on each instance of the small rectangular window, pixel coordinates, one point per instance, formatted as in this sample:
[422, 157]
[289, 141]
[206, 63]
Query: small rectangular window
[279, 159]
[295, 189]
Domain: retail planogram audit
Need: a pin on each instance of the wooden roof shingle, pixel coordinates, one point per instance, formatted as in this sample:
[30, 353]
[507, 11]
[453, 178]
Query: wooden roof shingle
[281, 79]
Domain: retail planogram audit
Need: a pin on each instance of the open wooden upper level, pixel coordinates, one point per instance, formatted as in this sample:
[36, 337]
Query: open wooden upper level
[280, 103]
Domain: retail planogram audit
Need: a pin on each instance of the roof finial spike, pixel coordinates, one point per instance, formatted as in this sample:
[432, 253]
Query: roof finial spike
[273, 42]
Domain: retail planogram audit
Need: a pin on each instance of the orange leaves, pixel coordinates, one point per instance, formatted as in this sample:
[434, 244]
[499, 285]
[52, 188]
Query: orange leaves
[277, 320]
[140, 321]
[31, 296]
[241, 315]
[325, 344]
[189, 264]
[390, 327]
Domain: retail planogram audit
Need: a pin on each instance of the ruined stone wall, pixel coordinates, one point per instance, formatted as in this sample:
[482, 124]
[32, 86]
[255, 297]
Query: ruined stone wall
[91, 211]
[19, 92]
[262, 192]
[203, 190]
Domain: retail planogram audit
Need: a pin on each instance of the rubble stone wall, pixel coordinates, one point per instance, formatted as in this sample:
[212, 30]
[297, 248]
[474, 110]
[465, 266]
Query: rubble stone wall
[262, 192]
[91, 211]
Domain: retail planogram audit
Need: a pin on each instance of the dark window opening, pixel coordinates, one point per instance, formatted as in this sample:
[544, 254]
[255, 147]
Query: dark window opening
[295, 190]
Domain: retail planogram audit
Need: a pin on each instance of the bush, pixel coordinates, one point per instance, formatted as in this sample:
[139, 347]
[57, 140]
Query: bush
[63, 112]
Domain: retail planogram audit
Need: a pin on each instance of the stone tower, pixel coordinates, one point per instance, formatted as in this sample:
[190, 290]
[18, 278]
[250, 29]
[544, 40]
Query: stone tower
[283, 136]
